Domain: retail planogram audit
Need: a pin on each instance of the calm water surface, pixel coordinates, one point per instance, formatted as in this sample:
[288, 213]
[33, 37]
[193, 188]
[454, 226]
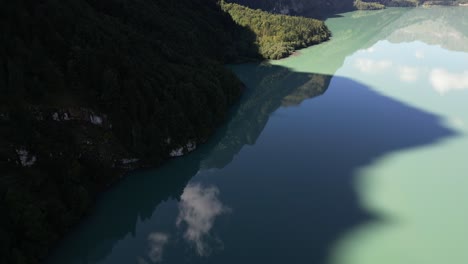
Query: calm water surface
[353, 152]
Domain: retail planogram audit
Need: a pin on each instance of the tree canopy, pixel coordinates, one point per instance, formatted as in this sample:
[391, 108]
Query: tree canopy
[278, 36]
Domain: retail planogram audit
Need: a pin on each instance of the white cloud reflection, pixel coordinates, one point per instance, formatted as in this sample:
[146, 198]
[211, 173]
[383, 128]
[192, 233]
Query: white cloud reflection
[198, 209]
[443, 81]
[419, 54]
[372, 66]
[156, 242]
[457, 122]
[408, 74]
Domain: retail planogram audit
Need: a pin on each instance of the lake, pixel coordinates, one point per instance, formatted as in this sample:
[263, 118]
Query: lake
[354, 151]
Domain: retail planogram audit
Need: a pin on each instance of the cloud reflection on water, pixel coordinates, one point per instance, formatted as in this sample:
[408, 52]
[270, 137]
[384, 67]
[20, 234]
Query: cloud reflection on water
[443, 81]
[416, 194]
[372, 66]
[408, 74]
[157, 241]
[198, 209]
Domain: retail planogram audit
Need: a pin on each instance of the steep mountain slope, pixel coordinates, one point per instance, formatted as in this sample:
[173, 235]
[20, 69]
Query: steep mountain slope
[90, 88]
[299, 7]
[320, 8]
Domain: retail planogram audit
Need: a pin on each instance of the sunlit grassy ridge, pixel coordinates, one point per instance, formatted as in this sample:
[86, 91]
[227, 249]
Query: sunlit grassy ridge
[278, 36]
[362, 5]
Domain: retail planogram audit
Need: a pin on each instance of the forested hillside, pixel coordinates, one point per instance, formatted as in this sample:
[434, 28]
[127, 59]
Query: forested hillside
[91, 88]
[363, 5]
[277, 36]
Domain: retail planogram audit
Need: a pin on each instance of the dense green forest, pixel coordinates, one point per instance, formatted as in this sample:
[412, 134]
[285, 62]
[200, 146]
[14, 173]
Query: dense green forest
[91, 88]
[361, 5]
[278, 36]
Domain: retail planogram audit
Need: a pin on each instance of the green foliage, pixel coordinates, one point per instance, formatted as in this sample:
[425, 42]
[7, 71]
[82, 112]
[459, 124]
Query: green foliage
[401, 3]
[362, 5]
[308, 8]
[278, 35]
[152, 70]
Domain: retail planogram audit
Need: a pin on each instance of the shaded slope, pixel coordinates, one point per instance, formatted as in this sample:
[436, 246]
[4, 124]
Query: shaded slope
[91, 88]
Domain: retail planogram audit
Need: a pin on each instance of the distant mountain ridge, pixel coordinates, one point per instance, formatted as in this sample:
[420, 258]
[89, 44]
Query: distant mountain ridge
[324, 8]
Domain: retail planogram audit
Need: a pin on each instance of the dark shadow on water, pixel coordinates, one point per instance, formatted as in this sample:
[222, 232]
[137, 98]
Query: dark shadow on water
[353, 126]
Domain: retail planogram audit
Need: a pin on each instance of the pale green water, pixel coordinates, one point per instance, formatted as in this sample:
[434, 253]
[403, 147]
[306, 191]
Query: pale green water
[373, 171]
[419, 195]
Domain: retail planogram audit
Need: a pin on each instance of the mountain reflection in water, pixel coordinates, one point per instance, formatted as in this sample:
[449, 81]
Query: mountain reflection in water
[370, 171]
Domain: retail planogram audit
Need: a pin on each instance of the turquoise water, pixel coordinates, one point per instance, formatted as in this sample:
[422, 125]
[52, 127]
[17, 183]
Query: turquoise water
[353, 152]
